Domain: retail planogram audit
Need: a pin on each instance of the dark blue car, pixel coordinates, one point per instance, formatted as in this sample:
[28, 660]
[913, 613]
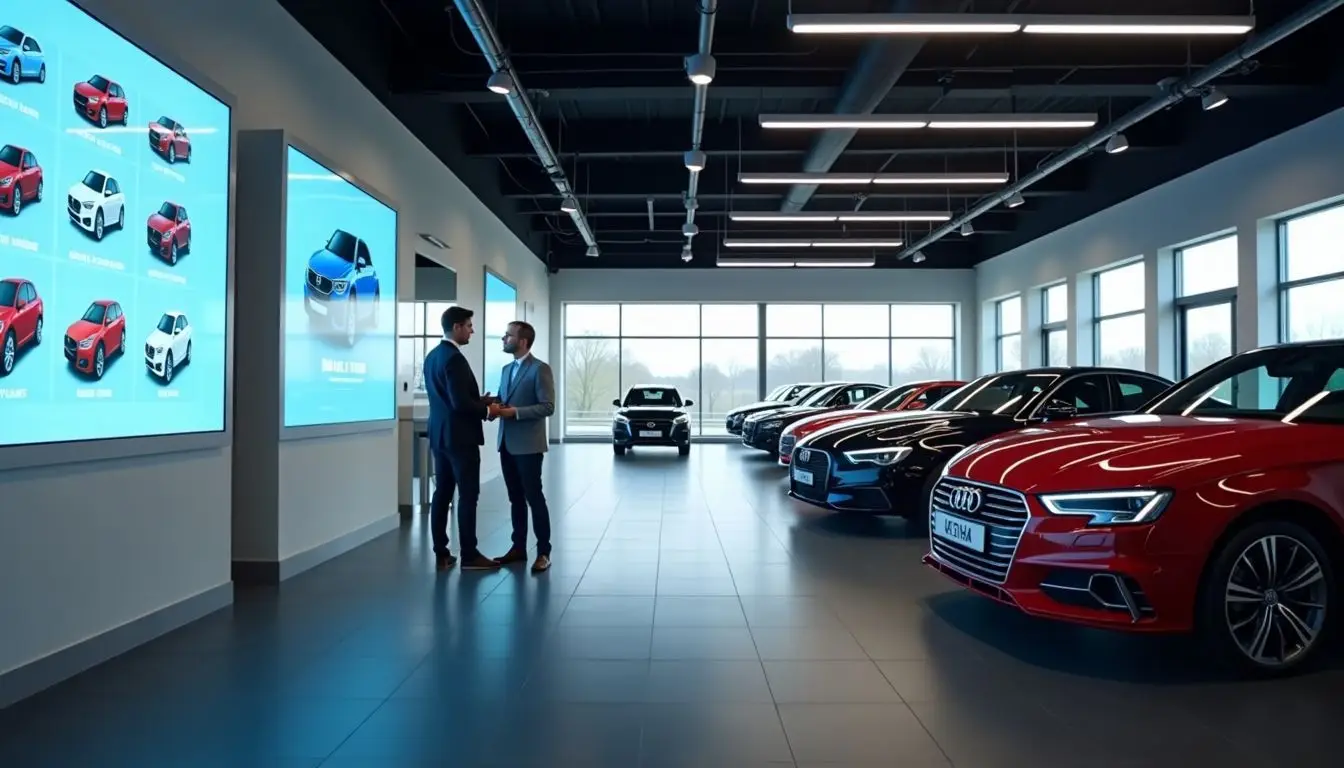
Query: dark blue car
[341, 285]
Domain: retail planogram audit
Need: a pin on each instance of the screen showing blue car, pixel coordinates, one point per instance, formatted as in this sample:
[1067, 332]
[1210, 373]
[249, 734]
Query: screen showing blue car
[501, 308]
[114, 236]
[340, 299]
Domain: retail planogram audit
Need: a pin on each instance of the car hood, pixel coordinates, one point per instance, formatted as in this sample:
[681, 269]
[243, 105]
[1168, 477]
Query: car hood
[789, 412]
[82, 329]
[329, 265]
[160, 223]
[7, 170]
[765, 409]
[159, 130]
[158, 338]
[83, 193]
[649, 412]
[1135, 450]
[85, 89]
[754, 407]
[892, 428]
[813, 422]
[7, 314]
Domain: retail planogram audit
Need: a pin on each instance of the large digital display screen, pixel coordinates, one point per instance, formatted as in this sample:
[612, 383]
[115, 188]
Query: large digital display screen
[340, 350]
[501, 308]
[114, 222]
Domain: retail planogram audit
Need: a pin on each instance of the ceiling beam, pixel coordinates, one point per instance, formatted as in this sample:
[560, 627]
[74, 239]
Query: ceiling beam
[760, 197]
[649, 154]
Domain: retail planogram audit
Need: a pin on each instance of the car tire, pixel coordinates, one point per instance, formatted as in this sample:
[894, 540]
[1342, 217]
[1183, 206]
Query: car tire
[168, 369]
[172, 253]
[16, 202]
[37, 198]
[15, 76]
[37, 331]
[42, 74]
[99, 362]
[172, 154]
[98, 225]
[351, 329]
[619, 450]
[683, 450]
[917, 520]
[1231, 628]
[121, 348]
[102, 117]
[9, 353]
[121, 218]
[186, 358]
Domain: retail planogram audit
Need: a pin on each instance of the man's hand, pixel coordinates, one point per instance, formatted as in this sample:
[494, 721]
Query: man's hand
[489, 399]
[506, 411]
[492, 411]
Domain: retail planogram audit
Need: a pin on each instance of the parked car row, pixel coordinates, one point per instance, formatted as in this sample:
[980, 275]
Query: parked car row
[1115, 498]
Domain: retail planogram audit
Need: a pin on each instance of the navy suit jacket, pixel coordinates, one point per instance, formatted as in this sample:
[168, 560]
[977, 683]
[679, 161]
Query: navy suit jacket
[456, 411]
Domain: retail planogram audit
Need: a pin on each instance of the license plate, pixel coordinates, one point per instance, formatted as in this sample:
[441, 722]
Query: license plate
[964, 532]
[650, 433]
[803, 476]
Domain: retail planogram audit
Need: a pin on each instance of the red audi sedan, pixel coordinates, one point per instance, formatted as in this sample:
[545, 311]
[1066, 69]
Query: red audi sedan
[914, 396]
[1216, 508]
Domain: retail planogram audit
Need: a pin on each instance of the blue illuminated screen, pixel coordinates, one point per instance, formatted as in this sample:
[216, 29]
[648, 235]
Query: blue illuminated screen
[114, 221]
[501, 308]
[340, 299]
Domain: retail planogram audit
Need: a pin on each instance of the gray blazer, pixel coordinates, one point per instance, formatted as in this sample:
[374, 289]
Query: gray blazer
[532, 393]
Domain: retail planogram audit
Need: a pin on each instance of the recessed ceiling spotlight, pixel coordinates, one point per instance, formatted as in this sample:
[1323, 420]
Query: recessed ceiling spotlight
[434, 241]
[1117, 144]
[700, 68]
[1014, 200]
[569, 205]
[592, 252]
[967, 230]
[1213, 99]
[500, 82]
[690, 229]
[695, 161]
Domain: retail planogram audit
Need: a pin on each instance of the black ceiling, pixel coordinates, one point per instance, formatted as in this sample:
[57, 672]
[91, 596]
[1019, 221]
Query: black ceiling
[607, 78]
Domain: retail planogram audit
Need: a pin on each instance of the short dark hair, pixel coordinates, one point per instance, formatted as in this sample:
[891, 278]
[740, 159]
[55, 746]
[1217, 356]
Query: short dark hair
[455, 316]
[525, 331]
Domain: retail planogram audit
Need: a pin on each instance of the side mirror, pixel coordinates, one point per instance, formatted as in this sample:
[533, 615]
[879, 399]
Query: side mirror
[689, 403]
[616, 402]
[20, 304]
[1058, 410]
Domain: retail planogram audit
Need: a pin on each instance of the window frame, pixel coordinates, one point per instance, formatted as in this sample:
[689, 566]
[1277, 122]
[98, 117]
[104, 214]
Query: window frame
[1286, 286]
[1000, 336]
[1099, 319]
[1183, 303]
[1049, 326]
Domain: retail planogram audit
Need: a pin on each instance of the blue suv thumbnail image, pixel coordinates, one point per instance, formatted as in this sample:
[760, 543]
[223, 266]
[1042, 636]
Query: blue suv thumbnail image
[341, 285]
[21, 57]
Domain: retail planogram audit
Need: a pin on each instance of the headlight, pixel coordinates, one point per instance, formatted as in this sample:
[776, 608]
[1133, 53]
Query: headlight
[338, 286]
[5, 182]
[86, 343]
[682, 419]
[882, 456]
[1110, 507]
[771, 424]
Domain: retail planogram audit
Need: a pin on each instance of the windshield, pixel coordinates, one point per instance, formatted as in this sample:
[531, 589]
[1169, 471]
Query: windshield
[1004, 393]
[95, 314]
[819, 395]
[10, 155]
[99, 83]
[165, 122]
[8, 292]
[166, 324]
[1288, 384]
[778, 393]
[168, 210]
[657, 397]
[342, 244]
[11, 35]
[94, 180]
[887, 398]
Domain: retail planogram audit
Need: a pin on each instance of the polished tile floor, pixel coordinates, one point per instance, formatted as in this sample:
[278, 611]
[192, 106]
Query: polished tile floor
[694, 617]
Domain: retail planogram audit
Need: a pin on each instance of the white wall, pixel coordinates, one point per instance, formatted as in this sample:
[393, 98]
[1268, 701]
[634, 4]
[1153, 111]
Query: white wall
[93, 546]
[1244, 193]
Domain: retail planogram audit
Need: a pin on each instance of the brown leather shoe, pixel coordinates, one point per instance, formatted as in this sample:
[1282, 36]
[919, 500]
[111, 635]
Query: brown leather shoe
[479, 562]
[514, 555]
[542, 563]
[444, 562]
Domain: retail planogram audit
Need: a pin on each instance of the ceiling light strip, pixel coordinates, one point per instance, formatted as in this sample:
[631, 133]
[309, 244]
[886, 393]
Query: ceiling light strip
[854, 242]
[878, 178]
[810, 264]
[1006, 24]
[1015, 121]
[853, 216]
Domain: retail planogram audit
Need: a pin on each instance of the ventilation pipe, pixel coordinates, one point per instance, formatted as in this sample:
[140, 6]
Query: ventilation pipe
[707, 9]
[882, 63]
[1172, 94]
[484, 32]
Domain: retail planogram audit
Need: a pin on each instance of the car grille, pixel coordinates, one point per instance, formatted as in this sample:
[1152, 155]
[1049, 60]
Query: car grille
[749, 430]
[318, 282]
[814, 461]
[786, 445]
[81, 102]
[153, 139]
[149, 350]
[1004, 514]
[69, 344]
[155, 239]
[73, 203]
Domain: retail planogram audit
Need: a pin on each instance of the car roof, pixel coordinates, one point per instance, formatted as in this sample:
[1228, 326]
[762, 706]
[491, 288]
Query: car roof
[101, 171]
[174, 313]
[652, 386]
[104, 302]
[12, 280]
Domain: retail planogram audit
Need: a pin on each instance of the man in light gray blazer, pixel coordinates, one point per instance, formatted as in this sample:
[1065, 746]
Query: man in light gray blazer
[526, 400]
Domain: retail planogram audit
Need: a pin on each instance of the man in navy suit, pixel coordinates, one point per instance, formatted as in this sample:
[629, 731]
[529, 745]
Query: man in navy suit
[457, 410]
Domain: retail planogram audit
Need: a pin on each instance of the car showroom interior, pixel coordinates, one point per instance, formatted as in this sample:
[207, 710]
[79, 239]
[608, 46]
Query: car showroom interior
[671, 383]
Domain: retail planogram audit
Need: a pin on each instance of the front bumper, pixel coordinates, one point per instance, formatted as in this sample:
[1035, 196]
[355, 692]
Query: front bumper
[762, 439]
[733, 424]
[81, 216]
[672, 434]
[1056, 568]
[786, 444]
[82, 359]
[845, 487]
[154, 360]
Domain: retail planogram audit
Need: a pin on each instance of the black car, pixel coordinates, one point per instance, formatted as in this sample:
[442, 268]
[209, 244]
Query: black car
[651, 416]
[779, 397]
[887, 464]
[761, 430]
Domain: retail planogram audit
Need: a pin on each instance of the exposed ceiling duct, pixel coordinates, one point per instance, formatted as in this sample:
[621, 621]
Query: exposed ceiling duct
[1170, 94]
[504, 81]
[704, 57]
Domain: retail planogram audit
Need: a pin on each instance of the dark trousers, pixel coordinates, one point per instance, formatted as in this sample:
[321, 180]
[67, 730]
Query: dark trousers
[456, 469]
[522, 476]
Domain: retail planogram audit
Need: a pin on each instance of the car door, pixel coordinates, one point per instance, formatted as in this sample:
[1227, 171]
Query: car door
[30, 175]
[31, 59]
[366, 277]
[117, 108]
[182, 233]
[112, 201]
[181, 337]
[181, 141]
[116, 328]
[30, 309]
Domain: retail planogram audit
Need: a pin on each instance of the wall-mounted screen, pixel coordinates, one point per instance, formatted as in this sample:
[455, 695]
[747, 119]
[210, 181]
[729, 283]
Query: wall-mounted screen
[114, 231]
[340, 343]
[501, 308]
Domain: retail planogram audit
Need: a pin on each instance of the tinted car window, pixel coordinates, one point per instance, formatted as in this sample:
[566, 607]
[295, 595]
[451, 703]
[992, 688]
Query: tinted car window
[998, 393]
[889, 398]
[1293, 384]
[1088, 394]
[1135, 391]
[653, 397]
[819, 395]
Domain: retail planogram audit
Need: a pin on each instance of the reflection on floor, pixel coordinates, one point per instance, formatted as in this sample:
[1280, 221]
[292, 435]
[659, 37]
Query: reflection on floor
[694, 617]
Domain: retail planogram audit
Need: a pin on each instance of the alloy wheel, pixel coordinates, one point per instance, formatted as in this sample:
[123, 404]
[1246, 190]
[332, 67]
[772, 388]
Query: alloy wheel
[168, 369]
[1275, 600]
[42, 74]
[16, 203]
[38, 198]
[37, 332]
[102, 117]
[98, 226]
[98, 362]
[8, 359]
[172, 154]
[14, 75]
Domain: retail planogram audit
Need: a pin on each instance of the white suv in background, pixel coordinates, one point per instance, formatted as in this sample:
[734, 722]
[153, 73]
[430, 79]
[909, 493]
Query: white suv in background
[168, 346]
[97, 201]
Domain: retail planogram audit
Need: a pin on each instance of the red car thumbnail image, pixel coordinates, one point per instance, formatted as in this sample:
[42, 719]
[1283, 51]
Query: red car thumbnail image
[169, 138]
[20, 320]
[102, 101]
[1217, 509]
[95, 337]
[169, 231]
[20, 178]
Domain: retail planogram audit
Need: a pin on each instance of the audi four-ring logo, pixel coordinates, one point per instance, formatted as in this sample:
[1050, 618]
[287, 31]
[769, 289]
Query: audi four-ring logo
[805, 455]
[964, 499]
[651, 424]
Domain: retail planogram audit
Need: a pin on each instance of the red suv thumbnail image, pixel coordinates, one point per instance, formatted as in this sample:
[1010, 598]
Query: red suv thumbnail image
[20, 178]
[168, 138]
[20, 320]
[102, 101]
[100, 333]
[1217, 508]
[169, 231]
